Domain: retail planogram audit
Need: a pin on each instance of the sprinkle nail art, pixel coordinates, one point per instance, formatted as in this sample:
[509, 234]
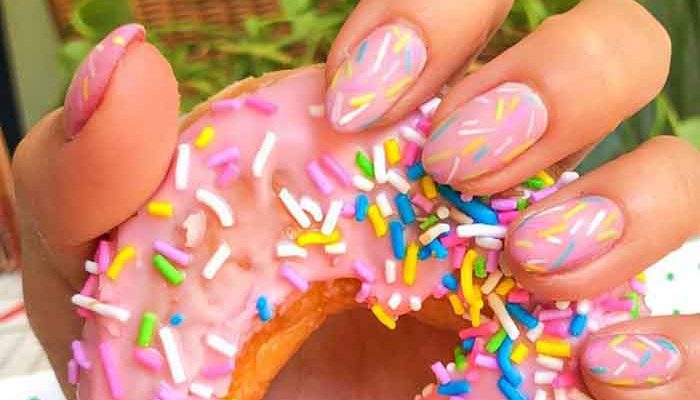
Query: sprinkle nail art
[564, 235]
[485, 134]
[632, 360]
[90, 81]
[374, 76]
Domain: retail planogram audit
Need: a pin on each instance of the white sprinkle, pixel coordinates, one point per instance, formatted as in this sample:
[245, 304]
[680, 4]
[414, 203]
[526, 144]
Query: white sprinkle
[217, 261]
[362, 183]
[433, 232]
[481, 131]
[263, 154]
[489, 243]
[544, 377]
[381, 53]
[332, 216]
[554, 363]
[535, 333]
[347, 118]
[312, 207]
[394, 67]
[201, 390]
[379, 161]
[336, 248]
[648, 342]
[442, 212]
[182, 167]
[221, 345]
[540, 394]
[620, 369]
[195, 226]
[624, 353]
[554, 240]
[600, 215]
[500, 149]
[289, 249]
[218, 205]
[105, 310]
[412, 135]
[337, 106]
[560, 394]
[501, 313]
[583, 307]
[384, 205]
[415, 303]
[460, 217]
[575, 394]
[562, 305]
[398, 181]
[390, 271]
[473, 230]
[394, 301]
[294, 208]
[172, 354]
[491, 282]
[91, 267]
[567, 177]
[428, 108]
[317, 110]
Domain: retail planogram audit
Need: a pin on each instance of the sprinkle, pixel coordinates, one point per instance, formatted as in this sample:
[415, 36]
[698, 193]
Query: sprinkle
[474, 230]
[195, 226]
[415, 303]
[486, 361]
[263, 154]
[336, 169]
[490, 283]
[504, 204]
[146, 328]
[496, 341]
[575, 394]
[317, 110]
[110, 370]
[316, 237]
[126, 254]
[486, 329]
[398, 242]
[519, 353]
[182, 167]
[362, 183]
[510, 391]
[172, 252]
[433, 232]
[261, 105]
[473, 208]
[505, 286]
[442, 212]
[381, 314]
[393, 153]
[428, 108]
[466, 276]
[499, 310]
[221, 345]
[364, 164]
[460, 217]
[200, 390]
[438, 250]
[79, 354]
[149, 358]
[429, 221]
[553, 347]
[294, 208]
[578, 325]
[218, 370]
[545, 178]
[384, 205]
[558, 328]
[103, 309]
[544, 377]
[450, 282]
[422, 202]
[363, 294]
[534, 334]
[428, 186]
[412, 135]
[378, 222]
[226, 105]
[177, 319]
[91, 267]
[518, 296]
[312, 207]
[332, 217]
[379, 163]
[363, 271]
[411, 153]
[169, 272]
[336, 248]
[398, 181]
[410, 264]
[556, 364]
[361, 207]
[319, 178]
[223, 157]
[218, 205]
[480, 267]
[456, 304]
[205, 137]
[454, 388]
[265, 311]
[406, 212]
[102, 255]
[289, 249]
[522, 315]
[217, 260]
[73, 372]
[394, 301]
[548, 315]
[564, 380]
[390, 271]
[440, 372]
[349, 117]
[541, 394]
[294, 278]
[489, 243]
[511, 373]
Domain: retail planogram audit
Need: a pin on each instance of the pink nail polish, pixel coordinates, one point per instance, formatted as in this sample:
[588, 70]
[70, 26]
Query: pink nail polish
[565, 235]
[485, 134]
[374, 76]
[90, 81]
[632, 360]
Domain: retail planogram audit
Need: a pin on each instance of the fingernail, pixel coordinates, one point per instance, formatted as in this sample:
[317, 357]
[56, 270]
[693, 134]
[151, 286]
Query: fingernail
[485, 134]
[632, 360]
[566, 235]
[374, 75]
[92, 78]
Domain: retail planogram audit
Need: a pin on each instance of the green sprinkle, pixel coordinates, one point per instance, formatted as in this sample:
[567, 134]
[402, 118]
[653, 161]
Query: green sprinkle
[148, 324]
[634, 312]
[496, 341]
[170, 273]
[535, 183]
[364, 164]
[676, 312]
[480, 267]
[670, 276]
[431, 220]
[460, 360]
[522, 204]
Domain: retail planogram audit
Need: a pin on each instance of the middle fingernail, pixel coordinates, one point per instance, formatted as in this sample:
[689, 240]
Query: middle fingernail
[374, 75]
[566, 235]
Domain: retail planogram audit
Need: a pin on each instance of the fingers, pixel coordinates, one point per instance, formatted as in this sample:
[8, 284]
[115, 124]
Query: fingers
[392, 55]
[609, 225]
[558, 91]
[647, 359]
[124, 104]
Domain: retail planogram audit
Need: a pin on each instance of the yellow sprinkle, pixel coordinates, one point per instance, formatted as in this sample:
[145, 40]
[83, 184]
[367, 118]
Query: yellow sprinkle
[456, 304]
[622, 382]
[553, 348]
[642, 277]
[524, 243]
[160, 208]
[348, 69]
[124, 255]
[393, 152]
[397, 87]
[381, 314]
[514, 103]
[119, 40]
[466, 276]
[359, 101]
[654, 380]
[475, 307]
[519, 353]
[378, 222]
[639, 345]
[86, 88]
[410, 264]
[428, 185]
[517, 151]
[439, 156]
[617, 340]
[316, 237]
[499, 109]
[336, 77]
[546, 178]
[534, 268]
[609, 220]
[574, 210]
[552, 230]
[473, 145]
[603, 236]
[205, 137]
[395, 30]
[401, 43]
[505, 286]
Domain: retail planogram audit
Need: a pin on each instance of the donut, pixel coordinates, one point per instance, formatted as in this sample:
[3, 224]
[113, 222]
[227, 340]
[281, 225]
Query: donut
[269, 221]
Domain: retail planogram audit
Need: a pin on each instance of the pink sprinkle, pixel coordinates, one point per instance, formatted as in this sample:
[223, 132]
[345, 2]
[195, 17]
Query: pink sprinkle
[466, 197]
[506, 217]
[411, 152]
[218, 370]
[456, 398]
[492, 260]
[488, 362]
[440, 372]
[452, 240]
[472, 375]
[363, 294]
[486, 329]
[422, 202]
[166, 392]
[564, 380]
[479, 344]
[504, 204]
[558, 328]
[363, 271]
[638, 286]
[225, 156]
[319, 178]
[228, 175]
[85, 313]
[259, 104]
[348, 210]
[611, 304]
[172, 253]
[110, 370]
[458, 256]
[519, 296]
[103, 256]
[73, 372]
[541, 194]
[149, 358]
[440, 291]
[226, 105]
[90, 285]
[424, 124]
[548, 315]
[289, 273]
[336, 169]
[79, 354]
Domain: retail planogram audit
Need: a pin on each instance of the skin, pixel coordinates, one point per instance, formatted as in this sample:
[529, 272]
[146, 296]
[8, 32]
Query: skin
[592, 67]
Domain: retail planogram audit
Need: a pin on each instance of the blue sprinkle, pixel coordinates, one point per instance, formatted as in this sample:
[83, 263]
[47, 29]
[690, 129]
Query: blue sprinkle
[454, 388]
[599, 370]
[564, 255]
[406, 212]
[522, 315]
[424, 253]
[438, 249]
[407, 60]
[468, 344]
[645, 359]
[398, 242]
[443, 128]
[361, 52]
[509, 391]
[668, 345]
[511, 373]
[450, 282]
[264, 309]
[483, 151]
[361, 206]
[479, 211]
[578, 325]
[415, 172]
[177, 319]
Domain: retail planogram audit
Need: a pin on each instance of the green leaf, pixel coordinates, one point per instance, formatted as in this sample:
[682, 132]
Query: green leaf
[689, 129]
[94, 19]
[294, 7]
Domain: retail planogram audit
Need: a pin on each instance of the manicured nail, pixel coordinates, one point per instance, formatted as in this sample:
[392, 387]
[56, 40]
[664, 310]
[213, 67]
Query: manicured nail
[374, 76]
[90, 81]
[632, 360]
[485, 134]
[566, 235]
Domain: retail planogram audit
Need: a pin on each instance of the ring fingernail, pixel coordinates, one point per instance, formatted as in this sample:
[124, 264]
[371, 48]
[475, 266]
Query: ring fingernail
[563, 236]
[485, 133]
[374, 75]
[632, 360]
